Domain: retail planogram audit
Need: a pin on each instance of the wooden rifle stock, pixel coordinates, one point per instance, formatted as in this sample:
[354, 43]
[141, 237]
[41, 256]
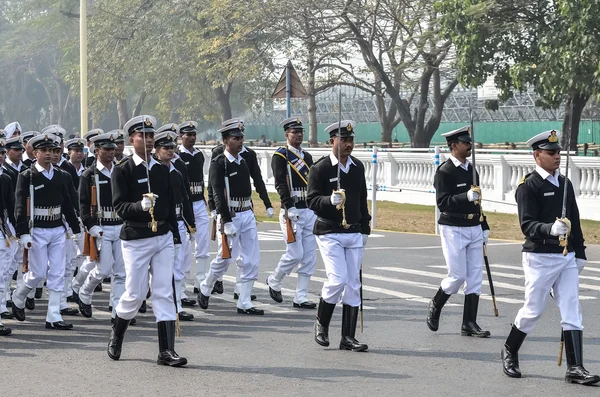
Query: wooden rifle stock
[213, 232]
[291, 236]
[94, 254]
[86, 244]
[93, 197]
[225, 250]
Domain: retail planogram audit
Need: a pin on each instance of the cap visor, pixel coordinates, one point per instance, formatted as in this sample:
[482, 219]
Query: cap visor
[550, 146]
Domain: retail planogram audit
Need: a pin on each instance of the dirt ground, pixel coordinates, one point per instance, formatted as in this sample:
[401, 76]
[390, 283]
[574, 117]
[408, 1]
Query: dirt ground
[420, 219]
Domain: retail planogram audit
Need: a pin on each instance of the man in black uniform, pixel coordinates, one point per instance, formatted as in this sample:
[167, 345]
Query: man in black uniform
[75, 148]
[43, 232]
[143, 198]
[337, 193]
[165, 144]
[463, 230]
[552, 253]
[291, 165]
[120, 142]
[193, 159]
[91, 156]
[102, 223]
[28, 157]
[251, 160]
[230, 179]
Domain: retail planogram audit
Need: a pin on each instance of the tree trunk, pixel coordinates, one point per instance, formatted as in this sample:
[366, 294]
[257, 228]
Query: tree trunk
[223, 101]
[313, 137]
[573, 110]
[140, 103]
[122, 111]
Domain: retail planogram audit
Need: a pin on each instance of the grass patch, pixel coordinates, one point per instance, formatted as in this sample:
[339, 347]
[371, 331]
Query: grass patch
[412, 218]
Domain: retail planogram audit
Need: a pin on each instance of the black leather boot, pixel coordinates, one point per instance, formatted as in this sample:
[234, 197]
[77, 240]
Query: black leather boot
[469, 325]
[218, 288]
[166, 345]
[115, 343]
[510, 352]
[576, 373]
[349, 319]
[324, 314]
[435, 309]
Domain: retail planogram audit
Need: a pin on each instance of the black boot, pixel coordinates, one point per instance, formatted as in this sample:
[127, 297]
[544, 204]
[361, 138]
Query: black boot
[324, 314]
[574, 349]
[143, 307]
[115, 343]
[510, 352]
[29, 303]
[469, 325]
[349, 319]
[435, 309]
[166, 345]
[218, 288]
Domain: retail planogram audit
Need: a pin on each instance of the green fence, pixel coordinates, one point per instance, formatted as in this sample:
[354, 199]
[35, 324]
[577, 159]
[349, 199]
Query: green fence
[490, 132]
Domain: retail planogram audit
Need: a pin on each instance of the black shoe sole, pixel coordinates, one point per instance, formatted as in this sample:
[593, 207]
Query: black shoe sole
[50, 326]
[361, 349]
[484, 335]
[510, 375]
[588, 382]
[180, 363]
[256, 312]
[308, 306]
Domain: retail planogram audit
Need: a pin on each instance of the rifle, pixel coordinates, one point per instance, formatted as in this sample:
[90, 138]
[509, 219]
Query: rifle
[290, 235]
[213, 231]
[226, 250]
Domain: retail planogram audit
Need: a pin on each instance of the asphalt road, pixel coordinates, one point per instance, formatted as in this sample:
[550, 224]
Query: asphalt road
[274, 355]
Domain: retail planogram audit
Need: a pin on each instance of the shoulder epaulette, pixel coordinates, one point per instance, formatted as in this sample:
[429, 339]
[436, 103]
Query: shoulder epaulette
[323, 157]
[522, 181]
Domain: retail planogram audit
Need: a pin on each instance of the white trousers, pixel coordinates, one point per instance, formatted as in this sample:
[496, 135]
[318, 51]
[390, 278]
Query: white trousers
[5, 274]
[158, 253]
[342, 254]
[463, 250]
[201, 240]
[302, 253]
[71, 253]
[543, 272]
[244, 251]
[183, 254]
[111, 260]
[85, 269]
[47, 258]
[10, 267]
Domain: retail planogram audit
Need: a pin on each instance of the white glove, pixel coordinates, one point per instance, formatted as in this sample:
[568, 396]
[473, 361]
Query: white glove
[365, 238]
[213, 213]
[559, 228]
[580, 264]
[26, 241]
[270, 212]
[472, 196]
[486, 235]
[230, 230]
[336, 198]
[293, 214]
[95, 231]
[146, 203]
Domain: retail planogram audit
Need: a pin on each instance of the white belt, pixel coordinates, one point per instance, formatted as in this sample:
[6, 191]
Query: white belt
[196, 187]
[108, 213]
[240, 203]
[52, 211]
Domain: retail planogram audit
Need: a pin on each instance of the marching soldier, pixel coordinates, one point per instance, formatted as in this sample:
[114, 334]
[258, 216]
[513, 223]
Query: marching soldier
[165, 144]
[194, 162]
[75, 148]
[12, 130]
[251, 160]
[463, 230]
[14, 153]
[337, 193]
[91, 156]
[72, 244]
[230, 180]
[28, 157]
[291, 165]
[6, 251]
[120, 142]
[43, 232]
[143, 198]
[540, 204]
[103, 224]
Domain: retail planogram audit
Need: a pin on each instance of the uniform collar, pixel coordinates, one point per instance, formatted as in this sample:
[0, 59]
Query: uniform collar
[545, 174]
[232, 159]
[138, 160]
[243, 149]
[100, 167]
[42, 169]
[457, 162]
[334, 160]
[297, 152]
[183, 149]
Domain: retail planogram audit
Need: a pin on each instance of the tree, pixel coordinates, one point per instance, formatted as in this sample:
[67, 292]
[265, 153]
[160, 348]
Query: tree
[401, 45]
[552, 46]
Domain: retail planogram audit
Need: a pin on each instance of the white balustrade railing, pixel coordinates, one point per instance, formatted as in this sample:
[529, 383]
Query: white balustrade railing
[413, 172]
